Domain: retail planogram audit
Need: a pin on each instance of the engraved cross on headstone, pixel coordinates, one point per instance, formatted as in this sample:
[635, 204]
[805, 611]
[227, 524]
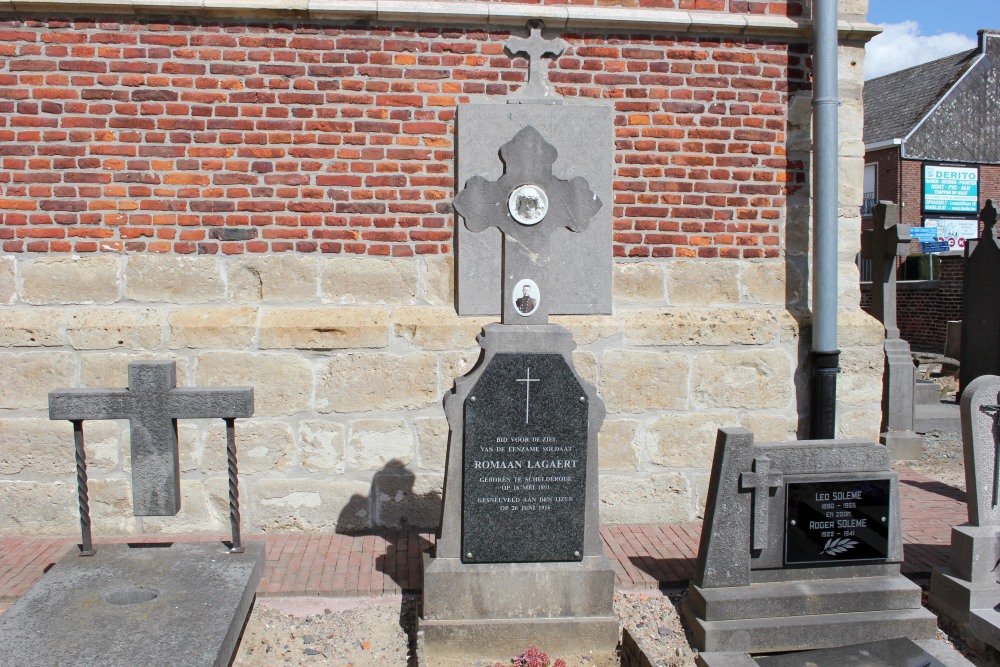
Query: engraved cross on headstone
[888, 240]
[527, 380]
[760, 481]
[535, 47]
[527, 204]
[152, 403]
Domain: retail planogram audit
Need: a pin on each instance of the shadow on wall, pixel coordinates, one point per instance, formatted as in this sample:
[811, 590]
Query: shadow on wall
[394, 501]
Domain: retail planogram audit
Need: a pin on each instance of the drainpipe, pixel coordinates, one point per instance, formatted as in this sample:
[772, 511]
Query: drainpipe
[825, 356]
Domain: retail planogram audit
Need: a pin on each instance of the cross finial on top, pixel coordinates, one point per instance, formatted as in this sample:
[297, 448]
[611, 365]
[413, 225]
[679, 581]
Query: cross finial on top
[535, 47]
[989, 217]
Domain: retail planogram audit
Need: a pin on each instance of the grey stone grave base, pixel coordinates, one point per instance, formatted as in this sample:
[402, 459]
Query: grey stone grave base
[170, 604]
[889, 653]
[499, 609]
[745, 599]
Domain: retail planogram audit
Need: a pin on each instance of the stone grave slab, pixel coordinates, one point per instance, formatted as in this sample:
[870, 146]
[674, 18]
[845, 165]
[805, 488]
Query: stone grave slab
[182, 604]
[968, 591]
[801, 547]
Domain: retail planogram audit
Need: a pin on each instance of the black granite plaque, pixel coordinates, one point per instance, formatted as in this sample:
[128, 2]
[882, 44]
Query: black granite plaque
[525, 462]
[836, 522]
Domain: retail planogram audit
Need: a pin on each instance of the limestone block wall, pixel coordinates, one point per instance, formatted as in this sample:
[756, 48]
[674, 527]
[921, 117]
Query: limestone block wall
[350, 359]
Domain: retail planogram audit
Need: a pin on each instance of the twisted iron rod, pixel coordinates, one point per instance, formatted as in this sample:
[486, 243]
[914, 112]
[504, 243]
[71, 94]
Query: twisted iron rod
[234, 490]
[83, 499]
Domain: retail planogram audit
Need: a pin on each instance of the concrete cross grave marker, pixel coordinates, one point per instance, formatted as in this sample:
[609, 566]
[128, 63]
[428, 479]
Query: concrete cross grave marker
[535, 47]
[153, 403]
[888, 241]
[526, 204]
[760, 481]
[980, 305]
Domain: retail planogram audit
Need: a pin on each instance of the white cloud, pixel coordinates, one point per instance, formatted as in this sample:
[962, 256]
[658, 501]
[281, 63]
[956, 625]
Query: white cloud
[901, 45]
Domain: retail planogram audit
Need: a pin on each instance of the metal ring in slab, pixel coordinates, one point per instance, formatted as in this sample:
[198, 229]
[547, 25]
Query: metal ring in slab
[528, 204]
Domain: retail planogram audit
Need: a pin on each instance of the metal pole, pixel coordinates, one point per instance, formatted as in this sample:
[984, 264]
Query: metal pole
[83, 500]
[234, 489]
[826, 192]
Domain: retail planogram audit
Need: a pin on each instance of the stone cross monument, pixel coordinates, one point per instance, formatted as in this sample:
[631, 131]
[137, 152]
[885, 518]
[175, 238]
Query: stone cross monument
[153, 403]
[519, 557]
[888, 241]
[980, 305]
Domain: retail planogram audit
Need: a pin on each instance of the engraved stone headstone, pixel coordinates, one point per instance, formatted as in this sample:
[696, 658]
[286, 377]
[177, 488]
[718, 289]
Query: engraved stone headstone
[800, 549]
[888, 241]
[980, 305]
[519, 557]
[968, 590]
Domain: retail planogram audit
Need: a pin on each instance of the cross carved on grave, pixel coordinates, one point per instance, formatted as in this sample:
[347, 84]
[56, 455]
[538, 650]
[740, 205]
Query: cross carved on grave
[152, 403]
[535, 47]
[760, 481]
[527, 204]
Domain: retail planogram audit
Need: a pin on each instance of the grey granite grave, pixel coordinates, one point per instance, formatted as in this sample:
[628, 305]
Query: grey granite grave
[518, 559]
[888, 241]
[968, 591]
[159, 603]
[980, 305]
[800, 549]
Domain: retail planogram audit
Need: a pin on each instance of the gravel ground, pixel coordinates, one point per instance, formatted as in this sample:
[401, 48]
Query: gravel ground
[379, 631]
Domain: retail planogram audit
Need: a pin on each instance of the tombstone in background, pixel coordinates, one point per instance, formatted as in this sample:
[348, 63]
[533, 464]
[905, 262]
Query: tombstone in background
[519, 559]
[800, 549]
[968, 591]
[120, 604]
[888, 241]
[980, 304]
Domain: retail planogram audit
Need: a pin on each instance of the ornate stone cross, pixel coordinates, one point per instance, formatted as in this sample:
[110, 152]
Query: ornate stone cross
[527, 204]
[535, 47]
[152, 403]
[760, 481]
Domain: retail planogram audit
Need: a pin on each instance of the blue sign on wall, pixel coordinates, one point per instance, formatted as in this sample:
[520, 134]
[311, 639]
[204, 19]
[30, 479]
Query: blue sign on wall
[924, 234]
[935, 246]
[951, 188]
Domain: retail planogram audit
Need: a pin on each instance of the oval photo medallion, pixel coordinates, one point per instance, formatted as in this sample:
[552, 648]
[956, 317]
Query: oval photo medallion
[528, 204]
[526, 297]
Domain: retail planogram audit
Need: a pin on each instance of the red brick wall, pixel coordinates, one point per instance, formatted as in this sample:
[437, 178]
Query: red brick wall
[204, 137]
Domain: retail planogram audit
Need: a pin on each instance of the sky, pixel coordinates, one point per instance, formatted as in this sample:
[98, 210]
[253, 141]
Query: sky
[918, 31]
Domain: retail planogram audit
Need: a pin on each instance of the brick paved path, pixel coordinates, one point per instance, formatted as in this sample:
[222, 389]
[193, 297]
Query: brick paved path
[389, 561]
